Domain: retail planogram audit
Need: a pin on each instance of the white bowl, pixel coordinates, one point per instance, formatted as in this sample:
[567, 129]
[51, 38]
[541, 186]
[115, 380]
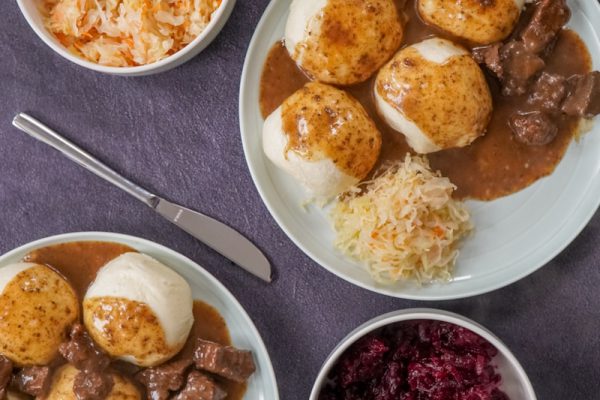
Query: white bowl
[262, 385]
[30, 10]
[515, 382]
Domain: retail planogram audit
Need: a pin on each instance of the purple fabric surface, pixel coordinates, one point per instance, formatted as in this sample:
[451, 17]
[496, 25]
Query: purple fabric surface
[177, 133]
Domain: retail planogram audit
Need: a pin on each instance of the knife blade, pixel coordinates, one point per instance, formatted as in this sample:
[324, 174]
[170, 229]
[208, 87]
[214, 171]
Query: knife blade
[218, 236]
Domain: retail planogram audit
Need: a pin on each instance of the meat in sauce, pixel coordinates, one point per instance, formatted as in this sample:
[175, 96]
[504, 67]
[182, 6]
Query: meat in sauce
[519, 60]
[225, 361]
[6, 369]
[34, 380]
[161, 381]
[533, 129]
[549, 17]
[548, 92]
[584, 97]
[200, 387]
[93, 382]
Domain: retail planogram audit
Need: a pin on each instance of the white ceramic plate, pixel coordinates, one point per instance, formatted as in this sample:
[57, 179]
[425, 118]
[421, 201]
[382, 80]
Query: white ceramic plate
[515, 382]
[514, 235]
[262, 385]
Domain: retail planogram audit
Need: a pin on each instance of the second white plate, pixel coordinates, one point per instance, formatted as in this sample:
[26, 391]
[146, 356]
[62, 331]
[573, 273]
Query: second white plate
[514, 235]
[262, 385]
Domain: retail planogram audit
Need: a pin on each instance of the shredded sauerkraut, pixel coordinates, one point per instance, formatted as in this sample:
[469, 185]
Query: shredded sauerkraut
[403, 224]
[124, 33]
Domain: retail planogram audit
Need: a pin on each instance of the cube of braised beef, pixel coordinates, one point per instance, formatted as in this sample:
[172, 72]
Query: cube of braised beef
[200, 387]
[93, 385]
[548, 92]
[162, 380]
[548, 19]
[533, 129]
[81, 351]
[519, 67]
[225, 361]
[584, 98]
[33, 381]
[6, 367]
[490, 57]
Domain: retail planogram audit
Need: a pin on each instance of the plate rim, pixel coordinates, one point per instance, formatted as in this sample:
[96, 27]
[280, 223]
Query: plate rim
[186, 262]
[591, 197]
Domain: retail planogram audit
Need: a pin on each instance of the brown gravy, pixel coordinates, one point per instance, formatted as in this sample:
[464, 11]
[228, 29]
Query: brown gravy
[80, 261]
[493, 166]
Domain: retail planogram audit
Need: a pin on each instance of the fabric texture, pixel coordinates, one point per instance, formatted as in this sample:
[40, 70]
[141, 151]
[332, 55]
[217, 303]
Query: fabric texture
[177, 134]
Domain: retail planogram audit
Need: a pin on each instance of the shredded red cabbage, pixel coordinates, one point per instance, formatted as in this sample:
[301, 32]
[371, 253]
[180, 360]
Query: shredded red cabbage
[421, 360]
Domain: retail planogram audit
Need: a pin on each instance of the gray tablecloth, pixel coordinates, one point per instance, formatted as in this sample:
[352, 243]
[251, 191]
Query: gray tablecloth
[177, 133]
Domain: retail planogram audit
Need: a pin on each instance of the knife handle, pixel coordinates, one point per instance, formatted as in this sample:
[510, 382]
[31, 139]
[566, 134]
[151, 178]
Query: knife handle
[41, 132]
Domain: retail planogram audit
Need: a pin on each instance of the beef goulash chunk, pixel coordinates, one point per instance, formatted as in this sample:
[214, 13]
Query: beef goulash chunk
[490, 57]
[548, 19]
[225, 361]
[33, 381]
[92, 385]
[6, 367]
[92, 382]
[511, 63]
[519, 65]
[200, 387]
[584, 97]
[534, 129]
[519, 60]
[548, 92]
[162, 380]
[82, 352]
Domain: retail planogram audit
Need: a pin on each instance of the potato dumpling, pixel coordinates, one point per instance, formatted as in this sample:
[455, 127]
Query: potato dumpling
[342, 42]
[323, 138]
[479, 21]
[435, 94]
[62, 386]
[37, 306]
[139, 310]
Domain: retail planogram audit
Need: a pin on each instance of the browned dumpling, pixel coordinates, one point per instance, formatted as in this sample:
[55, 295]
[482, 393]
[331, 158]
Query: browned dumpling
[342, 41]
[139, 310]
[37, 305]
[478, 21]
[62, 386]
[435, 94]
[323, 138]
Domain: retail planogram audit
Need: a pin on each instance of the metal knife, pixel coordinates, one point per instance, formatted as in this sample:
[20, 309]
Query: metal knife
[220, 237]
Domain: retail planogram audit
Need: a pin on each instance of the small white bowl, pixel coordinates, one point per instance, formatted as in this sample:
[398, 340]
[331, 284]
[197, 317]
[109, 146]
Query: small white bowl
[515, 382]
[29, 8]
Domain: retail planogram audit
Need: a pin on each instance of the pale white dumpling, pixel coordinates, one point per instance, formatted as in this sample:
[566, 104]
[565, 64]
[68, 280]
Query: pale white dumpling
[342, 42]
[323, 138]
[435, 94]
[139, 310]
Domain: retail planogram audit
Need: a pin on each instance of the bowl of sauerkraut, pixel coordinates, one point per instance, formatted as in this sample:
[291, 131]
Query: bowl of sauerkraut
[127, 37]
